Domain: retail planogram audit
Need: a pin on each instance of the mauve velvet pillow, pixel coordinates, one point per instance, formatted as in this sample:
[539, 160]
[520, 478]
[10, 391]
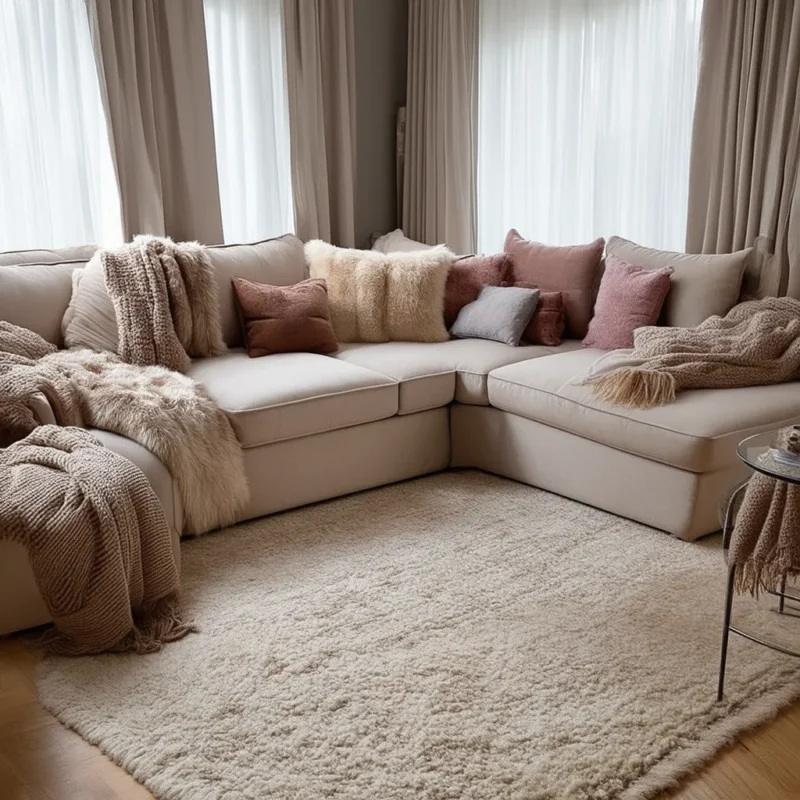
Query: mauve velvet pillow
[285, 319]
[629, 298]
[549, 319]
[569, 270]
[467, 276]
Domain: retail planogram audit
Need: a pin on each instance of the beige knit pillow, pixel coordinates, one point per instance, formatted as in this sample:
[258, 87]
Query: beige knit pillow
[381, 297]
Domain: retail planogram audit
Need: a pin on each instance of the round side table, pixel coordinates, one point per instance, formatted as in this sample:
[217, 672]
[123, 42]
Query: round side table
[757, 452]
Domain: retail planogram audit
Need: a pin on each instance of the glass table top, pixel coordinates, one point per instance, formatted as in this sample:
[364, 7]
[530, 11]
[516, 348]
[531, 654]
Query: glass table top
[760, 454]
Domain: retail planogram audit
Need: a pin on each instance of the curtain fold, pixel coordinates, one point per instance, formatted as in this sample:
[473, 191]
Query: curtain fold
[439, 182]
[153, 68]
[319, 45]
[746, 140]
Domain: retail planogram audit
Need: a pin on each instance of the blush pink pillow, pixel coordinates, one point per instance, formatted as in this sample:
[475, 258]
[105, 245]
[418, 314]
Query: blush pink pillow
[548, 321]
[629, 298]
[569, 270]
[467, 277]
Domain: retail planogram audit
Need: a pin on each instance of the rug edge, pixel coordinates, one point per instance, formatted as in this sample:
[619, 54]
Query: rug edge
[670, 771]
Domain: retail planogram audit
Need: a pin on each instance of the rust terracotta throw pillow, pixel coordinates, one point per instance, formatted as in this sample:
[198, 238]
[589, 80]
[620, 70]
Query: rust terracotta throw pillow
[569, 270]
[285, 319]
[548, 322]
[467, 276]
[629, 298]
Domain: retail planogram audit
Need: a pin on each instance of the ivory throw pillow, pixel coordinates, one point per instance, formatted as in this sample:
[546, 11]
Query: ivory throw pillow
[702, 285]
[398, 242]
[90, 320]
[285, 319]
[629, 298]
[501, 314]
[569, 270]
[381, 297]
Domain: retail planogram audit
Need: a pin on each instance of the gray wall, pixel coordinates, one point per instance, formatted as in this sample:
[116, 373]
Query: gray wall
[381, 40]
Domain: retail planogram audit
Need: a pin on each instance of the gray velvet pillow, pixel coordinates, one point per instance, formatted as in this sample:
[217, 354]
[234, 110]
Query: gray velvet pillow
[501, 313]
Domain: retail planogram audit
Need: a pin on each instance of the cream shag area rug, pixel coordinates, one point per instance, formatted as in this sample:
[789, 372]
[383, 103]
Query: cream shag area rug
[454, 637]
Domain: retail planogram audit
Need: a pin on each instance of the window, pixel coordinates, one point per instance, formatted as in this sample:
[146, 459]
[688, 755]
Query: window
[251, 117]
[57, 181]
[585, 118]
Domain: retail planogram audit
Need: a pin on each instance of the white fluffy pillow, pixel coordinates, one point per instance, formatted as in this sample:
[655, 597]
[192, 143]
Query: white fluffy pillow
[380, 297]
[90, 321]
[398, 242]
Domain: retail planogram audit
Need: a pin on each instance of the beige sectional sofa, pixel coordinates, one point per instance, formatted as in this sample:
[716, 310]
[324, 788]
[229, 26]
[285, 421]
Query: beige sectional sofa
[314, 427]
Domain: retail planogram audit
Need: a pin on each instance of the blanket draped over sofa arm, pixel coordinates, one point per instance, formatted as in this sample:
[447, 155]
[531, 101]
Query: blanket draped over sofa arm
[765, 545]
[98, 542]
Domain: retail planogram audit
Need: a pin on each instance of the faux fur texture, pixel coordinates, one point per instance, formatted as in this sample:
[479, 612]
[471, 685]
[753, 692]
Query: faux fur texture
[381, 297]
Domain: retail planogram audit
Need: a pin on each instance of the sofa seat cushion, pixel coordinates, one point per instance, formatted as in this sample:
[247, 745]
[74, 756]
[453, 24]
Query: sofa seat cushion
[432, 375]
[288, 395]
[698, 432]
[424, 373]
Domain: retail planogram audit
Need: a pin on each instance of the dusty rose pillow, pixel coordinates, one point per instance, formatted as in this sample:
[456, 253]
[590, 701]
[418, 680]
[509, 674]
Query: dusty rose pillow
[285, 319]
[548, 321]
[629, 298]
[569, 270]
[467, 276]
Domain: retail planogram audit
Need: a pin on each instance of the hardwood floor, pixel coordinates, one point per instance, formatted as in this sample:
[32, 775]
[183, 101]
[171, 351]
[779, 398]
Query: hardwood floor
[41, 760]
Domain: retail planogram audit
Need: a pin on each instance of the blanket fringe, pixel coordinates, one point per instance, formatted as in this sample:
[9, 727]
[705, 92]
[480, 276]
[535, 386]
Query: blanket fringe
[635, 387]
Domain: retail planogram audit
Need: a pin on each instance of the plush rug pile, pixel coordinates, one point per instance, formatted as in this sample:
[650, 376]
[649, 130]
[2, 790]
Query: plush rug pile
[458, 636]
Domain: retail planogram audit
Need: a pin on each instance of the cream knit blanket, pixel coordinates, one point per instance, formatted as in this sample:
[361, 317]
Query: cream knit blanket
[165, 300]
[756, 343]
[97, 540]
[168, 413]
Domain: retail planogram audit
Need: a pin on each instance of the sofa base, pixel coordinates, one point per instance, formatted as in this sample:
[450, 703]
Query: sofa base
[296, 472]
[683, 503]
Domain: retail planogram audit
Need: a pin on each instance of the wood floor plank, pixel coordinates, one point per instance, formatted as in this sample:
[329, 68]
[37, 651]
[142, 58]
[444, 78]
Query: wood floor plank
[42, 760]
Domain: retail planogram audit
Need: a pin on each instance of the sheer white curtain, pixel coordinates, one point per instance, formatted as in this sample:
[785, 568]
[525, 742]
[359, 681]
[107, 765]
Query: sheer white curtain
[57, 181]
[251, 117]
[585, 119]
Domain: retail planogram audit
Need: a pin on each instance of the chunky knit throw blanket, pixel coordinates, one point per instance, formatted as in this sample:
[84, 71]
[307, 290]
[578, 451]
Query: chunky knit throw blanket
[765, 544]
[168, 413]
[165, 299]
[756, 343]
[97, 539]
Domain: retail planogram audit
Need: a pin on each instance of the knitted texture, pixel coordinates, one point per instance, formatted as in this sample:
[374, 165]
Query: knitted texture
[165, 300]
[168, 413]
[754, 344]
[765, 545]
[97, 539]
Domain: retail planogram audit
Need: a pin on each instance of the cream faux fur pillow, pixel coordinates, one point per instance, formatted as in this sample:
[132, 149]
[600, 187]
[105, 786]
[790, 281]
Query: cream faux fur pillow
[381, 297]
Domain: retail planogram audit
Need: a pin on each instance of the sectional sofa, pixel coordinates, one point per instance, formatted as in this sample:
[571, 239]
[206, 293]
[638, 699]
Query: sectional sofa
[314, 427]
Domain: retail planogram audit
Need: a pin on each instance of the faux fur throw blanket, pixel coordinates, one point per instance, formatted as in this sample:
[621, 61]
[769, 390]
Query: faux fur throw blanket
[168, 413]
[97, 539]
[165, 299]
[765, 545]
[756, 343]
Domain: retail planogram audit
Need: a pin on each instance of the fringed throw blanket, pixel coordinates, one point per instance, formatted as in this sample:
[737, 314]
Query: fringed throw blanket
[765, 545]
[165, 301]
[168, 413]
[97, 539]
[756, 343]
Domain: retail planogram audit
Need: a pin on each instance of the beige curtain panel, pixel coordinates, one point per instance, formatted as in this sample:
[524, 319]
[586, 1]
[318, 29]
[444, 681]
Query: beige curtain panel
[746, 141]
[320, 73]
[153, 69]
[439, 183]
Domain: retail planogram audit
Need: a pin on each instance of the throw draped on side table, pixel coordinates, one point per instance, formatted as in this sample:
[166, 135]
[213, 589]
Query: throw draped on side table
[765, 545]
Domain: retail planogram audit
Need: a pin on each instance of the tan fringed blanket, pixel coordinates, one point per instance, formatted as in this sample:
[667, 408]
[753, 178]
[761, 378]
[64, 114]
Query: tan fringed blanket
[756, 343]
[765, 545]
[168, 413]
[165, 300]
[97, 539]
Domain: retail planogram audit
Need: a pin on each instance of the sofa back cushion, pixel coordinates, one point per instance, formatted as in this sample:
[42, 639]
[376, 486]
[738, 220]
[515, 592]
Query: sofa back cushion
[278, 261]
[701, 285]
[82, 252]
[35, 296]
